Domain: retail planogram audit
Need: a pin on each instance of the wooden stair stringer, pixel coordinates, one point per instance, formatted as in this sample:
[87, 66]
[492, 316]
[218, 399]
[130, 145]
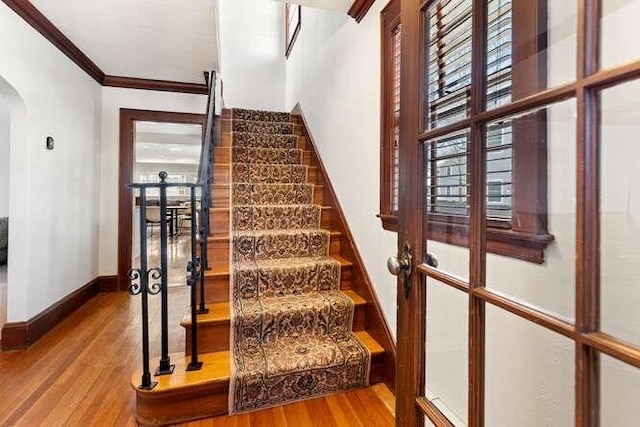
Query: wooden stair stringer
[376, 324]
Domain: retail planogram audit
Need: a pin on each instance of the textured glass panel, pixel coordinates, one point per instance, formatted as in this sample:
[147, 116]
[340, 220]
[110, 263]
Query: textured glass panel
[540, 149]
[447, 350]
[619, 32]
[619, 393]
[620, 212]
[531, 46]
[529, 373]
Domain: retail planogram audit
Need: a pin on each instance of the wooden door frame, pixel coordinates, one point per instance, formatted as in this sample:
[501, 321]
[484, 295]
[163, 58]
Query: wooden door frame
[590, 341]
[125, 176]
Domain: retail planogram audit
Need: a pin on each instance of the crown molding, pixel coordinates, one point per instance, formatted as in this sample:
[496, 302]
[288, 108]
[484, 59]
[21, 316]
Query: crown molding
[150, 84]
[27, 11]
[359, 9]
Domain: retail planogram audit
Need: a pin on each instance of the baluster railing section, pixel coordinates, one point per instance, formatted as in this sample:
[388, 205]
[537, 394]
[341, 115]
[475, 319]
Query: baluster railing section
[145, 281]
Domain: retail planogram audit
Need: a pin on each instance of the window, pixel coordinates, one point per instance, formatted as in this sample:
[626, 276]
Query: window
[292, 16]
[390, 115]
[515, 148]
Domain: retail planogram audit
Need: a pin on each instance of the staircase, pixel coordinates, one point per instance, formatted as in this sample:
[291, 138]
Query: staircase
[269, 186]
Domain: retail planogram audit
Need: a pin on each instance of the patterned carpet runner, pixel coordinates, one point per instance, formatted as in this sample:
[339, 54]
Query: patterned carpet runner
[291, 336]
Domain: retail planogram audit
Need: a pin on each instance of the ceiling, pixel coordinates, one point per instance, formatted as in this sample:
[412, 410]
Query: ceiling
[167, 143]
[171, 40]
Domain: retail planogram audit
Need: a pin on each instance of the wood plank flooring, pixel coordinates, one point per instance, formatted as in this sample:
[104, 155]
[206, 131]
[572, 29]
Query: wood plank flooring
[79, 375]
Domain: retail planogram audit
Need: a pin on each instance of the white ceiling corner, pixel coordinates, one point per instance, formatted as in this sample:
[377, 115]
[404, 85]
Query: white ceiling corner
[172, 40]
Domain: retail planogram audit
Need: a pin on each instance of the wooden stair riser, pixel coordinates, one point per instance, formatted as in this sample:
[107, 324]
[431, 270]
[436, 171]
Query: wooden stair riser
[215, 336]
[216, 287]
[219, 248]
[219, 220]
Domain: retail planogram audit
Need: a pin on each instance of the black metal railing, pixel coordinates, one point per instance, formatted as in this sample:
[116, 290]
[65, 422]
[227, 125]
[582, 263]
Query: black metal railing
[146, 280]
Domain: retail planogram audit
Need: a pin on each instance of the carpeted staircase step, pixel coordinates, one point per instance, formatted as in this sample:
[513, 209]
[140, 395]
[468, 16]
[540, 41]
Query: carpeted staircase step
[295, 368]
[269, 217]
[217, 280]
[223, 155]
[223, 174]
[188, 395]
[290, 276]
[218, 248]
[254, 140]
[260, 115]
[262, 128]
[221, 194]
[271, 244]
[272, 194]
[261, 173]
[213, 327]
[306, 216]
[267, 155]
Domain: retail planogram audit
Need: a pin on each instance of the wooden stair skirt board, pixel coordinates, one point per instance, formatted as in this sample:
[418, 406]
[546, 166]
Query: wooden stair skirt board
[187, 396]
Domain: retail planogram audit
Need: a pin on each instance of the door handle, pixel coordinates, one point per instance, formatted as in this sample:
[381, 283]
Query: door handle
[431, 260]
[401, 266]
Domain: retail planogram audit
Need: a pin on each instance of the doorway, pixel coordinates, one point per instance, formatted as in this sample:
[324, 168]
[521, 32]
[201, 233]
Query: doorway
[175, 149]
[520, 205]
[150, 142]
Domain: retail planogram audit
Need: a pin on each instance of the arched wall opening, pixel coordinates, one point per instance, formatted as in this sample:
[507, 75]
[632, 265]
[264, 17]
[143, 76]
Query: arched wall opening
[4, 204]
[12, 129]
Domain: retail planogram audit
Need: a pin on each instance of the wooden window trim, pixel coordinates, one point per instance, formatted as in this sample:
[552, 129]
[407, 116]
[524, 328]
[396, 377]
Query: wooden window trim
[525, 237]
[389, 20]
[291, 34]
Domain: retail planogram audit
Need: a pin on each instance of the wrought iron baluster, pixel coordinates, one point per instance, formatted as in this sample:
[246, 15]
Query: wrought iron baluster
[165, 366]
[194, 272]
[140, 285]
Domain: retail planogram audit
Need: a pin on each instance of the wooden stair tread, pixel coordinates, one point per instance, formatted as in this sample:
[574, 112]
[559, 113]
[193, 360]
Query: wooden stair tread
[215, 369]
[219, 312]
[222, 269]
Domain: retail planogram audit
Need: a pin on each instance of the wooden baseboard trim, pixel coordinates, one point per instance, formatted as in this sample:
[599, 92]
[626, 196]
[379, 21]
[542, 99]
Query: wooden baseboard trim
[20, 335]
[108, 283]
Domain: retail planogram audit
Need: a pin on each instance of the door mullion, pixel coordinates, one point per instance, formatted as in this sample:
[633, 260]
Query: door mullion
[477, 217]
[588, 218]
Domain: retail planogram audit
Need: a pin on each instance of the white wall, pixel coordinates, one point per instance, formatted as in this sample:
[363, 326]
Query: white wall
[54, 194]
[4, 157]
[112, 100]
[252, 45]
[334, 73]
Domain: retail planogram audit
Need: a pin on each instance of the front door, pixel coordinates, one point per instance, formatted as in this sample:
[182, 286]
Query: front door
[520, 209]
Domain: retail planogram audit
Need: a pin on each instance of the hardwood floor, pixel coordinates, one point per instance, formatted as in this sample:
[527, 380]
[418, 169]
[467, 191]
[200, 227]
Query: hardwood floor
[79, 374]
